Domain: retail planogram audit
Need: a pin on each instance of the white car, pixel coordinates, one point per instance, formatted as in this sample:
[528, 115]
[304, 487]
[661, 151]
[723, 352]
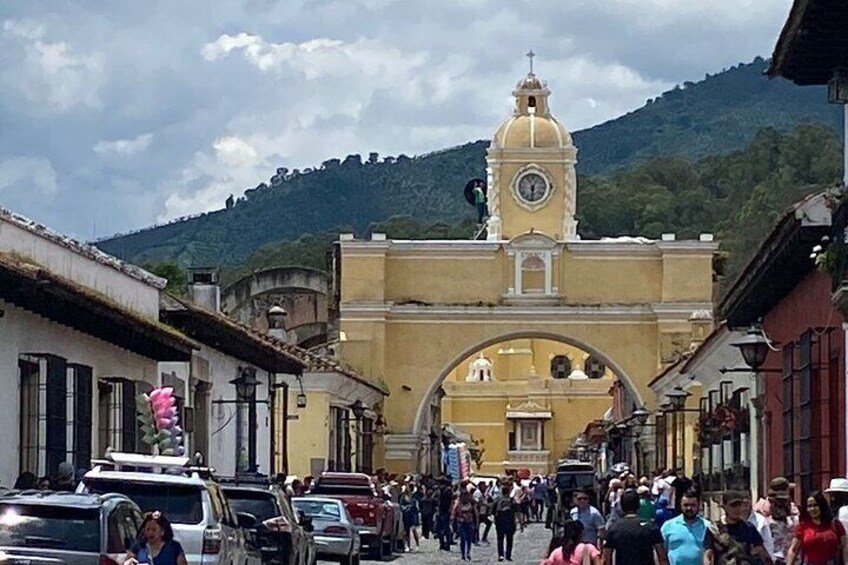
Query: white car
[190, 499]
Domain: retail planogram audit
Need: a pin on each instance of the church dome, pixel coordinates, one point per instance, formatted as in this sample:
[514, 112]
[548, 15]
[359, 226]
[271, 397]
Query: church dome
[522, 132]
[531, 124]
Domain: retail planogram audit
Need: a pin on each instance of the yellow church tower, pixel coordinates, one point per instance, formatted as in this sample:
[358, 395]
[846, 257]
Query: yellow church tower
[531, 176]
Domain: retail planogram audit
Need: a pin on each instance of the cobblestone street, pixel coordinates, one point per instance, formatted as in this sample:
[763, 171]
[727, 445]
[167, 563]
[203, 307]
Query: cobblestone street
[529, 548]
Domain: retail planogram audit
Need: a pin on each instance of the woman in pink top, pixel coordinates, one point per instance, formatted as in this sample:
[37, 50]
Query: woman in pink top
[573, 551]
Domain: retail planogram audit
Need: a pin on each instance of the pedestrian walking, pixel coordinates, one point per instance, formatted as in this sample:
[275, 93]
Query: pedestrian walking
[683, 535]
[733, 540]
[630, 540]
[427, 501]
[838, 491]
[782, 523]
[443, 521]
[663, 513]
[573, 551]
[464, 517]
[484, 511]
[540, 491]
[409, 510]
[156, 544]
[680, 484]
[593, 522]
[647, 508]
[64, 480]
[505, 524]
[819, 537]
[758, 521]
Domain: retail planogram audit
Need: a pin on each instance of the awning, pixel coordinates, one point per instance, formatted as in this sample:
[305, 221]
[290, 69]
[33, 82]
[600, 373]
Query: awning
[34, 288]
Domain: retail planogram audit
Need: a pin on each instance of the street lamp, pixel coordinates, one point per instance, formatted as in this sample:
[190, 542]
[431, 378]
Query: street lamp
[677, 398]
[358, 409]
[753, 346]
[640, 416]
[246, 384]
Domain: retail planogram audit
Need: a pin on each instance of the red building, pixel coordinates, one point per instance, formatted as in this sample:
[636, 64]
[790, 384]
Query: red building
[801, 385]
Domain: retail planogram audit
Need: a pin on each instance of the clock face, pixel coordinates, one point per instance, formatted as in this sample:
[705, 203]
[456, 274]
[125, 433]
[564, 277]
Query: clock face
[532, 187]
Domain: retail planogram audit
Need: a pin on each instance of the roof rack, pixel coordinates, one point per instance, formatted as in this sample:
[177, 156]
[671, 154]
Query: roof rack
[140, 462]
[246, 480]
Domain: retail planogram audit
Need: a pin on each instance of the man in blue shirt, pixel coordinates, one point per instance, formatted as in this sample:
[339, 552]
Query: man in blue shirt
[683, 535]
[593, 522]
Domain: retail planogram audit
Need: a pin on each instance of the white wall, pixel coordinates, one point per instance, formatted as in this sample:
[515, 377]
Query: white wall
[222, 417]
[23, 332]
[120, 287]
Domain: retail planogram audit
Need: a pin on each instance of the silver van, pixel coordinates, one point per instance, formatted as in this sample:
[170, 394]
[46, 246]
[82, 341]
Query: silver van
[65, 528]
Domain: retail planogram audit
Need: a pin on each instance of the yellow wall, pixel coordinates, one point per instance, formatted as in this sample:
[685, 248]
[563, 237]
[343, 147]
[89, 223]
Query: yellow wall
[308, 435]
[604, 280]
[436, 280]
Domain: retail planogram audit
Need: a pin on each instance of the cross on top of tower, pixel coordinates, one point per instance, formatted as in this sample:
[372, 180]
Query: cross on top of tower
[530, 56]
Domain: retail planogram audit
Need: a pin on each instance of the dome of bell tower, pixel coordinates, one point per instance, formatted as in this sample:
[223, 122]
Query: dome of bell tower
[532, 124]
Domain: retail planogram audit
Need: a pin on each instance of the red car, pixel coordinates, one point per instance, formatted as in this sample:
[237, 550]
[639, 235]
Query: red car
[373, 515]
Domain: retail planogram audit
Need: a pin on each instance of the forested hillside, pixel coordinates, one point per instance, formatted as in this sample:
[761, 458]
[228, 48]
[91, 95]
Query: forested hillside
[720, 114]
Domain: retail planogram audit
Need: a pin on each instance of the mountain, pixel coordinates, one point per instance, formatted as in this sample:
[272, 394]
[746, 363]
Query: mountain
[720, 114]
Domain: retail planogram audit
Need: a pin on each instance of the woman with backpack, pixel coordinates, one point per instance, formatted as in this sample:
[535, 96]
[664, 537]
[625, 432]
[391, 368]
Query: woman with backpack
[465, 522]
[505, 523]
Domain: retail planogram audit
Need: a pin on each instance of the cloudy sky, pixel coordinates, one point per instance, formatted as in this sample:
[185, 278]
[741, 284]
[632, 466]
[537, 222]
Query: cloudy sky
[115, 114]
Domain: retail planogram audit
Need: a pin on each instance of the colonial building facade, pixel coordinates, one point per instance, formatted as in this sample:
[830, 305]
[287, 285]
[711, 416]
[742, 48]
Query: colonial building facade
[413, 313]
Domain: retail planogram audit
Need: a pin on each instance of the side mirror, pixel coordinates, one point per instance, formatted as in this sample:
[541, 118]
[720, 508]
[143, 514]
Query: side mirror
[246, 520]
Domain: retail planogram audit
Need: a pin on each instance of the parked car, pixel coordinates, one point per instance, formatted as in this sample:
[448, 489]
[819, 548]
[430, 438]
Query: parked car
[336, 536]
[203, 522]
[65, 528]
[371, 512]
[280, 536]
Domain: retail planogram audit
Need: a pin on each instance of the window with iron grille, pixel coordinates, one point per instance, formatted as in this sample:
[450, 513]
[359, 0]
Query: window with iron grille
[56, 418]
[788, 402]
[560, 367]
[119, 424]
[594, 368]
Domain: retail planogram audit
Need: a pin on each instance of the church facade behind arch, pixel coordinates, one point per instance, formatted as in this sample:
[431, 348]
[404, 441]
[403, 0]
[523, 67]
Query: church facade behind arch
[416, 314]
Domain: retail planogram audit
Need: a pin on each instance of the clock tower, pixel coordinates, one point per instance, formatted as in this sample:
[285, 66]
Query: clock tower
[532, 184]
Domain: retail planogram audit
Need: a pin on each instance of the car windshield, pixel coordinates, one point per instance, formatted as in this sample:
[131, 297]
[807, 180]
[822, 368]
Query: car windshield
[260, 504]
[181, 504]
[318, 509]
[50, 527]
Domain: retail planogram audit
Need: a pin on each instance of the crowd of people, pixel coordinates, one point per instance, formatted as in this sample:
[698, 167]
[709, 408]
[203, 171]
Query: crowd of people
[656, 521]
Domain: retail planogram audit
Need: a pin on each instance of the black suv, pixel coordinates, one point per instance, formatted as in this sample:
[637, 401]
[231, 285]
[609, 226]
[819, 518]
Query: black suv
[281, 537]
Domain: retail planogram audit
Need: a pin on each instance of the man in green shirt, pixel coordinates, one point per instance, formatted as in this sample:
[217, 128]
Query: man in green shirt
[480, 202]
[647, 509]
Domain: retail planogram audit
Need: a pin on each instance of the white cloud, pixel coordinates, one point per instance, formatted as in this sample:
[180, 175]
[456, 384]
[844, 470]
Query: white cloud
[26, 176]
[52, 74]
[231, 90]
[124, 147]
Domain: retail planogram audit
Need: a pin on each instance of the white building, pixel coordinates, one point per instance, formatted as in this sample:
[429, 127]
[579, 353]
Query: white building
[80, 336]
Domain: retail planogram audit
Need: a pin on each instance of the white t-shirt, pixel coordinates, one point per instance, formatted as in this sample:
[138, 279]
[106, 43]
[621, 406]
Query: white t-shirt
[842, 516]
[664, 490]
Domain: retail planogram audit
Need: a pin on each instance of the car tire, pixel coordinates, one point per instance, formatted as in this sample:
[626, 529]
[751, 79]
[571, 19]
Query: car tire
[376, 552]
